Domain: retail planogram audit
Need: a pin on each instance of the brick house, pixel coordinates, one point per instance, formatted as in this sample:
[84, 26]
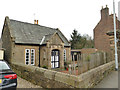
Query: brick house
[33, 44]
[101, 40]
[112, 46]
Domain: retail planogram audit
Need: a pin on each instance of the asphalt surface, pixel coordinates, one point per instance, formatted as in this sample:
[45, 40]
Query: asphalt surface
[111, 81]
[22, 83]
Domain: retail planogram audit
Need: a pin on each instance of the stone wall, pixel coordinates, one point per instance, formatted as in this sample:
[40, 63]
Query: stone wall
[0, 43]
[19, 53]
[7, 41]
[53, 79]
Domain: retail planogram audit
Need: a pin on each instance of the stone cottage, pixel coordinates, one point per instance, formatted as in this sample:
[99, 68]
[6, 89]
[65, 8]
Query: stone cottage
[33, 44]
[101, 40]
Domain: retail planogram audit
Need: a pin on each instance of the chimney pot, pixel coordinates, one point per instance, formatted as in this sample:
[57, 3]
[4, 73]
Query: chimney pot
[102, 7]
[106, 6]
[37, 21]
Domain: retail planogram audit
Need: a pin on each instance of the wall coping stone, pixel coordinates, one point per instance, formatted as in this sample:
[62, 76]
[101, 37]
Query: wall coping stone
[82, 80]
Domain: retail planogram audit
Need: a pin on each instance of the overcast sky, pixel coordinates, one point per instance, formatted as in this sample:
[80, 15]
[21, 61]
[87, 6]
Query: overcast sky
[67, 15]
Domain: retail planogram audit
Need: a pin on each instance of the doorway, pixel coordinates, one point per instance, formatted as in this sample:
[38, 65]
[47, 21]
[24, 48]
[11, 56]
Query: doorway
[55, 56]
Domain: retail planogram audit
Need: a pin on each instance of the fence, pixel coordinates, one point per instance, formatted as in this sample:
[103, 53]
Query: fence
[90, 61]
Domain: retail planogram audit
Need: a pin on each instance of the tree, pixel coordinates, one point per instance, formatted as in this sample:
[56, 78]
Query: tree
[89, 41]
[75, 39]
[79, 42]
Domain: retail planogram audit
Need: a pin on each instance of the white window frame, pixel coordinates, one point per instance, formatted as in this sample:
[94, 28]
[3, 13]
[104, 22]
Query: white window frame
[26, 55]
[33, 56]
[30, 56]
[64, 55]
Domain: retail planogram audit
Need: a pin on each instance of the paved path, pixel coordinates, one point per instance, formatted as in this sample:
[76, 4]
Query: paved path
[22, 83]
[111, 81]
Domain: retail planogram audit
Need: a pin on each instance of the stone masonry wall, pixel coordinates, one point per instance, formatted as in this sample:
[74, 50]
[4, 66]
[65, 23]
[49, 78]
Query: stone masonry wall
[53, 79]
[7, 41]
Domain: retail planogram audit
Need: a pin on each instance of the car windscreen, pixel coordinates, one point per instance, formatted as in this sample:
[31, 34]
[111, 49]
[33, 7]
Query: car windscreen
[3, 65]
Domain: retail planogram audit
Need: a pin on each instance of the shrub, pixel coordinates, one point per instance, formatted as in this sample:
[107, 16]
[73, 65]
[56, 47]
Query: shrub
[45, 67]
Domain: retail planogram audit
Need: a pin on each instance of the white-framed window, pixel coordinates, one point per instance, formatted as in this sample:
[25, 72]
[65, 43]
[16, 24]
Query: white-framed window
[55, 59]
[32, 56]
[64, 54]
[29, 56]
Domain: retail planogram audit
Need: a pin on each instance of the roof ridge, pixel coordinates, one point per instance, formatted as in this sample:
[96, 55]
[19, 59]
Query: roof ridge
[33, 24]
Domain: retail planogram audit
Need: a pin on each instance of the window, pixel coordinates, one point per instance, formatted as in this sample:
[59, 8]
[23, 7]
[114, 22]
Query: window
[32, 56]
[55, 59]
[64, 55]
[29, 56]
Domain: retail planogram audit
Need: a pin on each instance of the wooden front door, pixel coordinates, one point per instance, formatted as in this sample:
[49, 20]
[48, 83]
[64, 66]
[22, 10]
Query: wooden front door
[55, 59]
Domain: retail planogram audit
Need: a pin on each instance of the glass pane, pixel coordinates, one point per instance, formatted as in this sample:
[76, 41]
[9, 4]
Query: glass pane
[32, 62]
[52, 65]
[27, 59]
[56, 53]
[56, 58]
[27, 56]
[32, 57]
[27, 53]
[26, 62]
[56, 64]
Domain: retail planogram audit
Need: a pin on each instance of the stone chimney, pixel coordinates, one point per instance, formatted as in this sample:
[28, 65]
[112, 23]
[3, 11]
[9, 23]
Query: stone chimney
[104, 13]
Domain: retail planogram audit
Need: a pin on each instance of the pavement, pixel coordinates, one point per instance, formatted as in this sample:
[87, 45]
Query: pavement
[111, 81]
[22, 83]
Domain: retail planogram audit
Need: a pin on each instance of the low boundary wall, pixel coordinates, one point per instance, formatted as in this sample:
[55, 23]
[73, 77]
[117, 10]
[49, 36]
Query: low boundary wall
[53, 79]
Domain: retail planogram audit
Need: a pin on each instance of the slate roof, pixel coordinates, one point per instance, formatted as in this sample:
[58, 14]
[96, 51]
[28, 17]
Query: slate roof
[26, 33]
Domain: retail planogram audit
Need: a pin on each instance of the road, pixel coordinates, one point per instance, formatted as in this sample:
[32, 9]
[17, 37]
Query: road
[111, 81]
[22, 83]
